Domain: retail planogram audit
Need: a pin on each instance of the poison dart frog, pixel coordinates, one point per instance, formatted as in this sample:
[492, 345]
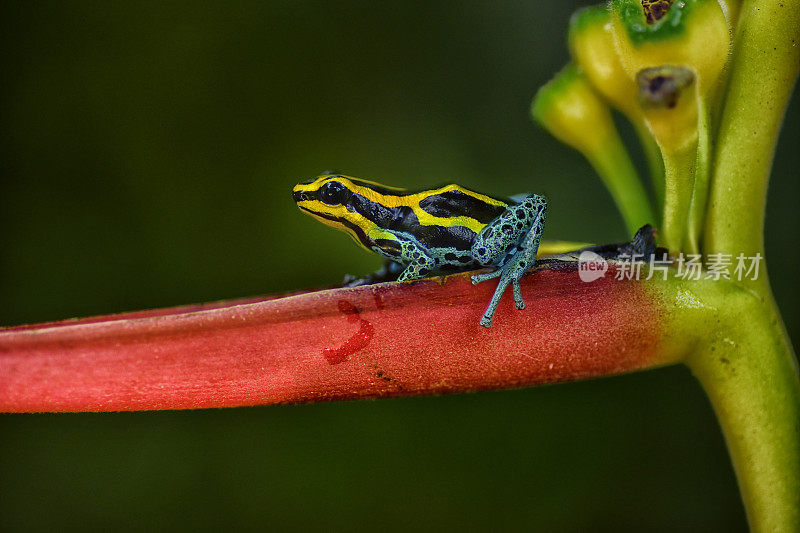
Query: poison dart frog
[445, 229]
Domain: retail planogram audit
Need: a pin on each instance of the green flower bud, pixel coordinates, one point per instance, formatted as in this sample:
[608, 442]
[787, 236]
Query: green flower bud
[668, 96]
[591, 43]
[568, 108]
[690, 33]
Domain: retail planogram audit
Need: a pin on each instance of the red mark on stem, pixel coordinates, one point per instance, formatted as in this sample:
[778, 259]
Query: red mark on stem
[357, 341]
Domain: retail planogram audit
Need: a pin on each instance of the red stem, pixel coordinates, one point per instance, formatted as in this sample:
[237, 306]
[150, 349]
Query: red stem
[381, 340]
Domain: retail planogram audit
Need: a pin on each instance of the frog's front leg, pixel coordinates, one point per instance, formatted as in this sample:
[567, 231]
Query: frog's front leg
[511, 241]
[418, 263]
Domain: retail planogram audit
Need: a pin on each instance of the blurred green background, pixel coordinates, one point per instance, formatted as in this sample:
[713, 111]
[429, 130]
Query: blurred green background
[147, 151]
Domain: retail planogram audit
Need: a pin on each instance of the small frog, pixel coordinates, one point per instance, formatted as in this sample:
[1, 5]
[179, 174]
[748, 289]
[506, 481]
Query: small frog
[446, 229]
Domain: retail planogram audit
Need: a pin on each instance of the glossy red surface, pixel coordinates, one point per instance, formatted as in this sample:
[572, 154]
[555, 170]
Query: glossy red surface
[365, 342]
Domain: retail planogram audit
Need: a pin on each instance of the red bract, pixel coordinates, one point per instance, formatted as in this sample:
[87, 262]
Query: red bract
[382, 340]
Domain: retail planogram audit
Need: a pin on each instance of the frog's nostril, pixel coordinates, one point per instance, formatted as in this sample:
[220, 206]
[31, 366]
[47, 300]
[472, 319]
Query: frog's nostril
[300, 196]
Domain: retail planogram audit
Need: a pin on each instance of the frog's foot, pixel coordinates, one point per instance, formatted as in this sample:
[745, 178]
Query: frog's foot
[509, 274]
[354, 281]
[390, 271]
[420, 268]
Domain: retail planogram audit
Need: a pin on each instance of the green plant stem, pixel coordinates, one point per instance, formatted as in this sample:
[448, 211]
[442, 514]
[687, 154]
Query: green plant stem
[652, 155]
[764, 67]
[702, 176]
[734, 342]
[756, 394]
[614, 166]
[679, 167]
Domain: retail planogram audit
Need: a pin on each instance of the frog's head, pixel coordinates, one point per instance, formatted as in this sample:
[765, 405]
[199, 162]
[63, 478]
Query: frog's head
[324, 195]
[341, 202]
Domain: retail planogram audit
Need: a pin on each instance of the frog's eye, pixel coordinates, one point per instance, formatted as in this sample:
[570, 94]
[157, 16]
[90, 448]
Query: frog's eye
[333, 193]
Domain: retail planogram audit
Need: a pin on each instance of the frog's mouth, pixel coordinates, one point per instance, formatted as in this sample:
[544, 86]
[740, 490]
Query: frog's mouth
[326, 218]
[320, 215]
[355, 232]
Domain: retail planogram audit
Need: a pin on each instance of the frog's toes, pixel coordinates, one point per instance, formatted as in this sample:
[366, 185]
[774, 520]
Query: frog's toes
[519, 303]
[478, 278]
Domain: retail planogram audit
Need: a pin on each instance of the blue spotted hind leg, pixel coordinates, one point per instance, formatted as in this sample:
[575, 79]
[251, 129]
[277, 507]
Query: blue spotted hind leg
[511, 241]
